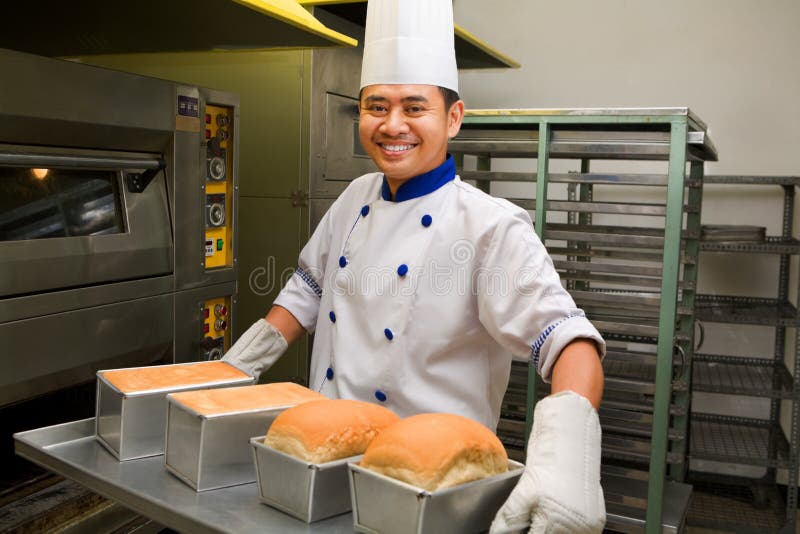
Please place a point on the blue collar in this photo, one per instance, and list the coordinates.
(423, 184)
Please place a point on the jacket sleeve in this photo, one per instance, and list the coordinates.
(533, 316)
(302, 293)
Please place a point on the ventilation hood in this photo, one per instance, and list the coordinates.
(471, 52)
(89, 27)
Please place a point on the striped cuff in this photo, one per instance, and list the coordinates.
(537, 345)
(310, 281)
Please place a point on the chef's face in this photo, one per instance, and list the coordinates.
(405, 128)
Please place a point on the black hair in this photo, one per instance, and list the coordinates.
(450, 97)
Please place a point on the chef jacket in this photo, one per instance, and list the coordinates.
(420, 302)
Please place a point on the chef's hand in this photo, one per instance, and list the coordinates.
(257, 349)
(559, 490)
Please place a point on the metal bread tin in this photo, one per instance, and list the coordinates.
(132, 425)
(305, 490)
(212, 451)
(388, 506)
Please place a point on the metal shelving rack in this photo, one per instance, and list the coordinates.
(636, 281)
(746, 441)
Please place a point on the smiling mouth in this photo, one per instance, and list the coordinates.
(397, 149)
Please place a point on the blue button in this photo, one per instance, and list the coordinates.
(342, 261)
(426, 220)
(403, 269)
(388, 334)
(332, 316)
(329, 373)
(380, 395)
(365, 211)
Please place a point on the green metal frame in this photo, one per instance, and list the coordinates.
(679, 124)
(681, 398)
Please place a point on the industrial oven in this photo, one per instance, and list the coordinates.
(118, 222)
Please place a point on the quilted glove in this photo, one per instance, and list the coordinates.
(559, 490)
(257, 349)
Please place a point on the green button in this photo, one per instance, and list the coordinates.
(219, 244)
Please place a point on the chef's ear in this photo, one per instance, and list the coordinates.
(454, 117)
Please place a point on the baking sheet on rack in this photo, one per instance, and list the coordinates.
(145, 486)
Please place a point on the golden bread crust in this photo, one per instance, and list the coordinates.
(226, 400)
(327, 430)
(164, 376)
(436, 450)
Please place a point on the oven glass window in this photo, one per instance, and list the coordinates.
(42, 203)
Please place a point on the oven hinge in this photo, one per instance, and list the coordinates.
(299, 199)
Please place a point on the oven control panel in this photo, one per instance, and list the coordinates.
(219, 186)
(216, 327)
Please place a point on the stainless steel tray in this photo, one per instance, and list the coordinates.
(145, 486)
(212, 451)
(387, 506)
(133, 425)
(307, 491)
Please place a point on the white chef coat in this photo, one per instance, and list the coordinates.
(419, 303)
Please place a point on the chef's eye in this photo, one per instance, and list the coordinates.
(414, 109)
(376, 108)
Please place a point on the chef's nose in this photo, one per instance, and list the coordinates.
(394, 122)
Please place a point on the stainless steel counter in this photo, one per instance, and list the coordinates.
(145, 486)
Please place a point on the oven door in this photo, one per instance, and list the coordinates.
(77, 218)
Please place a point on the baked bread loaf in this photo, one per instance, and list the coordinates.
(327, 430)
(137, 379)
(436, 450)
(262, 396)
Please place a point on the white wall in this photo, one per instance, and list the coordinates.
(736, 63)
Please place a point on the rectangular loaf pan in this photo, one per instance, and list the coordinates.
(212, 451)
(133, 425)
(307, 491)
(388, 506)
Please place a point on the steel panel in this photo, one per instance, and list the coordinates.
(49, 352)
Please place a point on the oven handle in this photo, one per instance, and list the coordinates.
(93, 162)
(135, 181)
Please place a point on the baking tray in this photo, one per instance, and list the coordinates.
(388, 506)
(143, 485)
(71, 450)
(212, 451)
(133, 425)
(303, 489)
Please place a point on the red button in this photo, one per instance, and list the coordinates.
(205, 328)
(208, 134)
(208, 118)
(206, 312)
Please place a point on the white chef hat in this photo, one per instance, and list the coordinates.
(409, 42)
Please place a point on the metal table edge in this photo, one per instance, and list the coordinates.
(151, 508)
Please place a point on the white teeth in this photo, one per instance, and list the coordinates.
(397, 148)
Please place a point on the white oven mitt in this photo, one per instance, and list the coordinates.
(257, 349)
(559, 490)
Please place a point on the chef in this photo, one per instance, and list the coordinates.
(420, 288)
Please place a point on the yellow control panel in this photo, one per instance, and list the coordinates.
(219, 186)
(216, 327)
